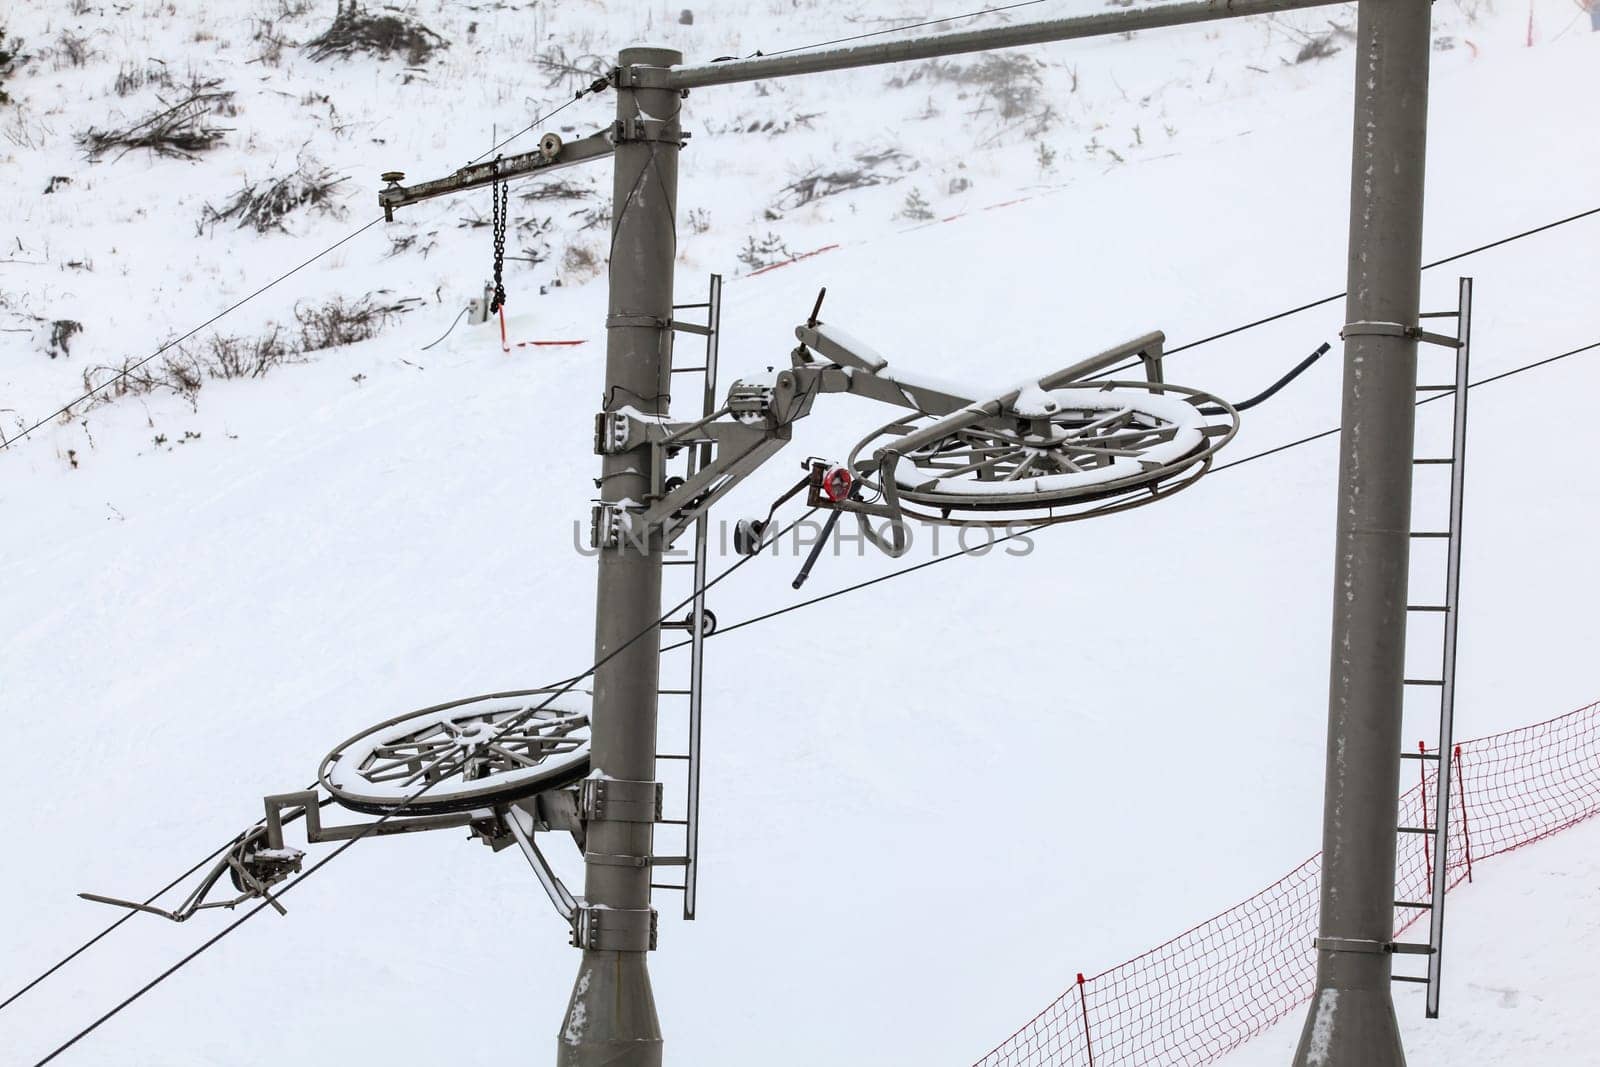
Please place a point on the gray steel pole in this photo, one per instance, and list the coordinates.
(950, 44)
(611, 1019)
(1351, 1021)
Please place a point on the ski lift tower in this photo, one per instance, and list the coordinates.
(611, 1018)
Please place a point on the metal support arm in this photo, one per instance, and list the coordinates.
(550, 155)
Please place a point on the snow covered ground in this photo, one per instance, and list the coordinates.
(187, 626)
(1519, 976)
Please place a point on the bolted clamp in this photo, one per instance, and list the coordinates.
(597, 928)
(1396, 329)
(638, 129)
(611, 434)
(619, 800)
(611, 524)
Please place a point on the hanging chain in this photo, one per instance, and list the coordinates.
(497, 195)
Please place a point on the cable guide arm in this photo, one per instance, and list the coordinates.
(551, 154)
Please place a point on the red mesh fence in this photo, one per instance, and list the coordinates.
(1212, 988)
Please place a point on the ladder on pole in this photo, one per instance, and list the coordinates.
(699, 621)
(1439, 833)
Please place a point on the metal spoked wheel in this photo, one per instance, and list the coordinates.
(469, 754)
(1054, 450)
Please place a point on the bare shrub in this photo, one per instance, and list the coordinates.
(131, 77)
(580, 261)
(184, 369)
(227, 357)
(264, 205)
(71, 50)
(182, 130)
(558, 189)
(11, 58)
(62, 331)
(174, 373)
(341, 322)
(270, 41)
(355, 30)
(881, 166)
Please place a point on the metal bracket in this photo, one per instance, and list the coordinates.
(1351, 944)
(608, 860)
(608, 523)
(619, 800)
(645, 321)
(565, 904)
(601, 929)
(641, 129)
(1396, 329)
(641, 77)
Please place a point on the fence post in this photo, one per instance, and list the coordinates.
(1461, 795)
(1083, 1004)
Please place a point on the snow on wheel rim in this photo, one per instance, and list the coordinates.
(1061, 447)
(471, 753)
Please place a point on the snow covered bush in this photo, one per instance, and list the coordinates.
(264, 205)
(356, 30)
(182, 130)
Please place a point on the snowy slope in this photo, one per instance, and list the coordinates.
(924, 841)
(1519, 987)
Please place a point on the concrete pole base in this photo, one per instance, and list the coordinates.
(611, 1019)
(1351, 1028)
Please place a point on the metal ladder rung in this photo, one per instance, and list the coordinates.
(1430, 533)
(673, 692)
(1408, 948)
(1440, 315)
(1436, 388)
(1423, 460)
(1417, 829)
(673, 822)
(677, 563)
(1419, 755)
(1408, 978)
(669, 861)
(687, 370)
(1424, 681)
(1427, 607)
(705, 304)
(666, 885)
(671, 755)
(1413, 904)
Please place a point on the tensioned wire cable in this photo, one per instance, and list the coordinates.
(369, 828)
(1340, 295)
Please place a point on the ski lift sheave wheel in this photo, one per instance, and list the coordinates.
(469, 754)
(1052, 451)
(550, 146)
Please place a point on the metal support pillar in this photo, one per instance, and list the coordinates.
(1351, 1021)
(611, 1018)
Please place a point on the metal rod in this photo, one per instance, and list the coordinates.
(1447, 698)
(1351, 1022)
(951, 44)
(474, 175)
(611, 1019)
